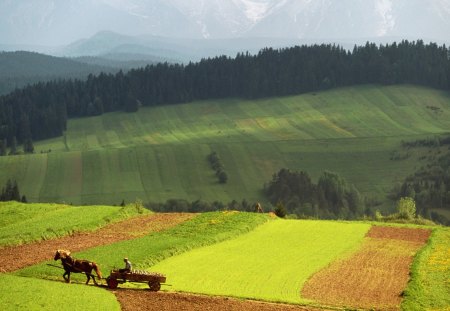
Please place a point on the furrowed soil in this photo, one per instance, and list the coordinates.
(17, 257)
(373, 277)
(145, 300)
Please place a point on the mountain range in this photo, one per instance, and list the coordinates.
(57, 23)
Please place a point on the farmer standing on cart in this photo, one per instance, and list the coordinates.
(128, 266)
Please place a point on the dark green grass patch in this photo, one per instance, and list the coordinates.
(21, 223)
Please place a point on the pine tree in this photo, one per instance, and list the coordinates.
(28, 146)
(3, 150)
(13, 149)
(10, 192)
(15, 193)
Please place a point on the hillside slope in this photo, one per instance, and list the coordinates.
(160, 153)
(20, 68)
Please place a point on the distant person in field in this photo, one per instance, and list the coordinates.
(258, 208)
(128, 266)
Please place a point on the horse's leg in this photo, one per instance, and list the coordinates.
(88, 278)
(66, 276)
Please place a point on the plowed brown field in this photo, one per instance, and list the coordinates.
(17, 257)
(145, 300)
(375, 276)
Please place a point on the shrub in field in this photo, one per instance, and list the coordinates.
(280, 210)
(217, 165)
(406, 208)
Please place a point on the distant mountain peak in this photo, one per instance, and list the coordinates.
(53, 22)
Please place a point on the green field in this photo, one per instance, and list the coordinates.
(26, 294)
(270, 263)
(205, 229)
(160, 152)
(430, 286)
(246, 255)
(21, 223)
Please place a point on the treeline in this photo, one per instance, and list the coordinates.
(41, 111)
(330, 198)
(429, 186)
(198, 206)
(11, 192)
(218, 167)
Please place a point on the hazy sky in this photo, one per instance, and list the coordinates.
(58, 22)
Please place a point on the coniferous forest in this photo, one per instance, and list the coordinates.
(41, 111)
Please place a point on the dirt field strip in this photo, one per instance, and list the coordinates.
(375, 276)
(144, 300)
(18, 257)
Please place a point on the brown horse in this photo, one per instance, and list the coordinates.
(77, 266)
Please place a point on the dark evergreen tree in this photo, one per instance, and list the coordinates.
(3, 147)
(131, 104)
(223, 177)
(28, 146)
(280, 210)
(13, 149)
(42, 109)
(10, 192)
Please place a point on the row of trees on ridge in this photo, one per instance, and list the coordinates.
(41, 111)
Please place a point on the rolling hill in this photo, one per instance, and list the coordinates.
(160, 153)
(17, 69)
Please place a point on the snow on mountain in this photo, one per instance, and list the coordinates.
(54, 22)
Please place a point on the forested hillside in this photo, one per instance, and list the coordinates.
(41, 111)
(20, 68)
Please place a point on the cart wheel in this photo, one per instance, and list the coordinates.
(112, 283)
(154, 286)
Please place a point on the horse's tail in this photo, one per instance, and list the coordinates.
(97, 270)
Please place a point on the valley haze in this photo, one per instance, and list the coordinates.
(48, 25)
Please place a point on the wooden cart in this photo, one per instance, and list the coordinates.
(153, 279)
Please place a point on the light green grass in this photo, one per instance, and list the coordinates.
(160, 153)
(204, 229)
(270, 263)
(429, 288)
(18, 293)
(21, 223)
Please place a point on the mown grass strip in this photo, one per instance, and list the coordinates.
(205, 229)
(22, 223)
(270, 263)
(429, 287)
(20, 293)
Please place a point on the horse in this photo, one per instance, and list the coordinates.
(77, 266)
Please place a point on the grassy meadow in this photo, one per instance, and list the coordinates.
(238, 254)
(205, 229)
(21, 223)
(19, 293)
(430, 286)
(270, 263)
(160, 152)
